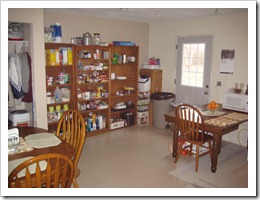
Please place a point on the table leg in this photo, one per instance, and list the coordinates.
(219, 144)
(175, 141)
(215, 152)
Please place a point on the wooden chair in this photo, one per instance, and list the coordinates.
(190, 123)
(71, 128)
(48, 171)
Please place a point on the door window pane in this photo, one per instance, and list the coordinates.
(193, 64)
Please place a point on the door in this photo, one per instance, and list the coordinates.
(193, 69)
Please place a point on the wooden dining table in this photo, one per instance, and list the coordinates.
(218, 130)
(62, 148)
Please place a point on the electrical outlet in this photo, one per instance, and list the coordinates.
(218, 83)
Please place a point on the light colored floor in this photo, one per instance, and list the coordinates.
(138, 157)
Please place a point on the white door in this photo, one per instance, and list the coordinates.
(193, 69)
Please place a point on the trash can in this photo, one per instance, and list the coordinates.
(161, 104)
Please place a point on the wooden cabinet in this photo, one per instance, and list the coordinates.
(59, 73)
(92, 87)
(124, 87)
(156, 85)
(156, 78)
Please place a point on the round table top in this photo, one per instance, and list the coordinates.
(62, 148)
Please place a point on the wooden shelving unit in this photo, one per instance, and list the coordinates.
(126, 73)
(59, 62)
(92, 87)
(155, 76)
(92, 91)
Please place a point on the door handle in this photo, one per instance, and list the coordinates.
(206, 93)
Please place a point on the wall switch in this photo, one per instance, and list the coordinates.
(218, 83)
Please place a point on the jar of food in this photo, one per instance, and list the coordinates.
(96, 39)
(87, 39)
(79, 94)
(48, 97)
(61, 78)
(65, 107)
(73, 40)
(78, 41)
(66, 78)
(80, 78)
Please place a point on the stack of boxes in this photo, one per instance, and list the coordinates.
(144, 84)
(59, 56)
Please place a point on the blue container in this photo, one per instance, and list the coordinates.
(89, 124)
(57, 31)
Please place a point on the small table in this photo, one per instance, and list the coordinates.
(62, 148)
(216, 130)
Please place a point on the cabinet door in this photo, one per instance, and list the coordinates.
(59, 73)
(92, 85)
(124, 87)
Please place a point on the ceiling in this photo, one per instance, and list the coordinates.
(149, 15)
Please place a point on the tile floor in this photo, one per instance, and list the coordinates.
(133, 157)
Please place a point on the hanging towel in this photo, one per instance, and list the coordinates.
(15, 76)
(25, 70)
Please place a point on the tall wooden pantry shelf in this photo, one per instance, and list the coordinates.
(106, 103)
(59, 73)
(92, 87)
(124, 85)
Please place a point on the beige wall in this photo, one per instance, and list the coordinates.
(72, 25)
(156, 39)
(110, 30)
(35, 18)
(229, 32)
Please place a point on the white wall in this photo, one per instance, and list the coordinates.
(229, 32)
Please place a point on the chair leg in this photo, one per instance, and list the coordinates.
(179, 151)
(197, 158)
(75, 184)
(191, 147)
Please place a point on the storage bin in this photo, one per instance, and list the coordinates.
(142, 118)
(116, 125)
(144, 84)
(20, 118)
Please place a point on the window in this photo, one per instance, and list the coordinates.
(193, 64)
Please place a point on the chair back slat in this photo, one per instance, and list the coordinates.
(71, 128)
(48, 175)
(190, 122)
(51, 170)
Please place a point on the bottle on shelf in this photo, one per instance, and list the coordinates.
(57, 95)
(96, 39)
